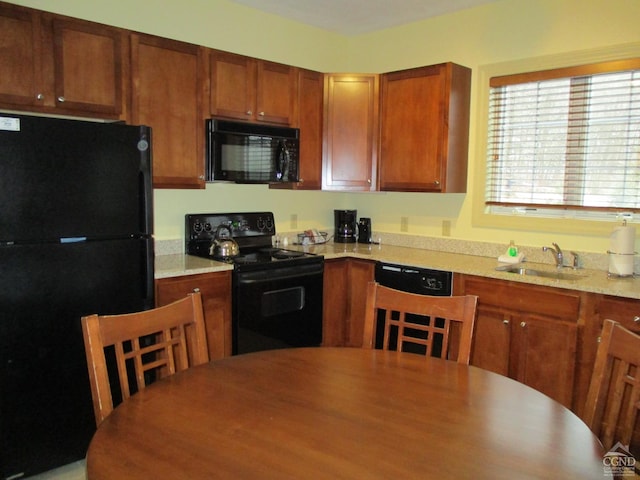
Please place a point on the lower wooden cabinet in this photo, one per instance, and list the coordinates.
(345, 294)
(544, 337)
(216, 299)
(528, 333)
(623, 310)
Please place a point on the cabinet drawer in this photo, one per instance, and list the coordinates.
(625, 311)
(527, 298)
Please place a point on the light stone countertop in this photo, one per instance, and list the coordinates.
(587, 280)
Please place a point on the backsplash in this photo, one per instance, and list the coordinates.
(595, 261)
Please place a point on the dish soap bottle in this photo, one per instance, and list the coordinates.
(512, 250)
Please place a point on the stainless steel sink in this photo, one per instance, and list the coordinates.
(532, 272)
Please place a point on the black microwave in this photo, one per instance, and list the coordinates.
(251, 153)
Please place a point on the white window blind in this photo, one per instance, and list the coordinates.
(566, 138)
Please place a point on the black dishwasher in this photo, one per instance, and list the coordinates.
(423, 281)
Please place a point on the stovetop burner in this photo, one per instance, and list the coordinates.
(280, 253)
(252, 231)
(266, 255)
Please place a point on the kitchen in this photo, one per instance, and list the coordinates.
(488, 34)
(498, 32)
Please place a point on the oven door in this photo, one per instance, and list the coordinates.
(278, 307)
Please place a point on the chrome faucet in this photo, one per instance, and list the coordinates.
(557, 254)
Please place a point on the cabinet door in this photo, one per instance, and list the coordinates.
(311, 87)
(360, 273)
(216, 298)
(334, 303)
(350, 132)
(88, 63)
(344, 302)
(167, 93)
(55, 64)
(546, 351)
(276, 91)
(21, 80)
(492, 340)
(424, 129)
(232, 86)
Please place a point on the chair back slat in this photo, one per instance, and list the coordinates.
(405, 313)
(160, 341)
(613, 398)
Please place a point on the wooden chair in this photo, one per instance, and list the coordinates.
(148, 345)
(613, 399)
(404, 331)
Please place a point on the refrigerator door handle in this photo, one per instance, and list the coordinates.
(73, 239)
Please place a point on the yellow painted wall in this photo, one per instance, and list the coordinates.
(505, 30)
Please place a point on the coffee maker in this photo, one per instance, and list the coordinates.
(345, 226)
(364, 230)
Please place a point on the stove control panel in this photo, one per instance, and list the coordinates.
(203, 226)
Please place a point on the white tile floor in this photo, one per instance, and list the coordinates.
(73, 471)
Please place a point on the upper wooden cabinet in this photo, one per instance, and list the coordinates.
(310, 98)
(55, 64)
(244, 88)
(424, 133)
(350, 132)
(168, 91)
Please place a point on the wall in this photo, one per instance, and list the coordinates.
(497, 32)
(504, 31)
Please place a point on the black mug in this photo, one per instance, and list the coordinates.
(364, 231)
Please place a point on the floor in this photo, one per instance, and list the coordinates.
(73, 471)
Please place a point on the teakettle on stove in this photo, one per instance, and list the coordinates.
(345, 226)
(224, 247)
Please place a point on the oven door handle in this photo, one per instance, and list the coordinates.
(287, 273)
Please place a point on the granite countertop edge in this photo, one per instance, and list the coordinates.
(587, 280)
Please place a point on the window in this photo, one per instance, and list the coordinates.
(565, 138)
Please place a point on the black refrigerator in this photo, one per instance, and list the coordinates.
(75, 239)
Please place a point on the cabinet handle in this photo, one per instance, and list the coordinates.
(523, 324)
(196, 290)
(505, 321)
(200, 177)
(40, 96)
(369, 181)
(436, 183)
(61, 99)
(249, 112)
(636, 319)
(261, 114)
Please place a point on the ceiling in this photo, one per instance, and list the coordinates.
(353, 17)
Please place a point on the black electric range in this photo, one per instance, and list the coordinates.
(277, 293)
(254, 233)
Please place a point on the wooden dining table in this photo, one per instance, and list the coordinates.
(341, 413)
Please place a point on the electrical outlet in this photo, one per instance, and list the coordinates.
(446, 228)
(294, 221)
(404, 224)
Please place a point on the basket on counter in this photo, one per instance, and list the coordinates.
(310, 237)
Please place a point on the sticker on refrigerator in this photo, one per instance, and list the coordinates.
(10, 124)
